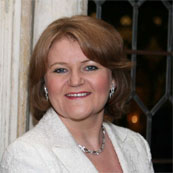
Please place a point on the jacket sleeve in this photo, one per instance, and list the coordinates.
(21, 157)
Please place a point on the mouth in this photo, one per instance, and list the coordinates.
(75, 95)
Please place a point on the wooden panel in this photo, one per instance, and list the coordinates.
(9, 67)
(15, 43)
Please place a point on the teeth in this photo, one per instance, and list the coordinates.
(77, 95)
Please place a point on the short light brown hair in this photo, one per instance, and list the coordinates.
(99, 41)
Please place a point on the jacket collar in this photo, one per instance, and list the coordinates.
(63, 144)
(58, 134)
(124, 146)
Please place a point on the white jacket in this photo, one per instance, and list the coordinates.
(50, 148)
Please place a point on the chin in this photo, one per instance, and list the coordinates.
(78, 116)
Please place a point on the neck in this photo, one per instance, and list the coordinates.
(86, 132)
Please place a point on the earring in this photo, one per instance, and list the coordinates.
(46, 93)
(111, 92)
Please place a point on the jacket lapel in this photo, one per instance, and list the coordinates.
(64, 146)
(74, 160)
(123, 150)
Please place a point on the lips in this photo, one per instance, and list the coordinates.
(74, 95)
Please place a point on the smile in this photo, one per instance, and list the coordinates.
(77, 95)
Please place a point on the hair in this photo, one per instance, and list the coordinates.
(99, 41)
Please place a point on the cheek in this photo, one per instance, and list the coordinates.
(53, 84)
(53, 87)
(102, 84)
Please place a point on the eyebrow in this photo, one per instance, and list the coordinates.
(88, 60)
(64, 63)
(57, 63)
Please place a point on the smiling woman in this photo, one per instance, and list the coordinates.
(78, 74)
(99, 42)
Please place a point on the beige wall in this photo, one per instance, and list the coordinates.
(21, 22)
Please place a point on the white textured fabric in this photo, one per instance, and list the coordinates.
(50, 148)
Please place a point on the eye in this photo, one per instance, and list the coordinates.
(91, 68)
(60, 70)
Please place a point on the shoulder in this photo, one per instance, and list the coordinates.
(125, 134)
(30, 153)
(20, 156)
(37, 136)
(129, 139)
(133, 146)
(30, 142)
(34, 137)
(25, 153)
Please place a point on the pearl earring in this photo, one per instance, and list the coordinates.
(112, 90)
(46, 93)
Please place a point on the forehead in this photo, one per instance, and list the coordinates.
(66, 50)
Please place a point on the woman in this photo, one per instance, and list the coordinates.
(78, 76)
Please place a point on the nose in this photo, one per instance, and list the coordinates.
(76, 79)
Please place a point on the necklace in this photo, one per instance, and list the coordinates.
(95, 152)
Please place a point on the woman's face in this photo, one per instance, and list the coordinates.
(78, 88)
